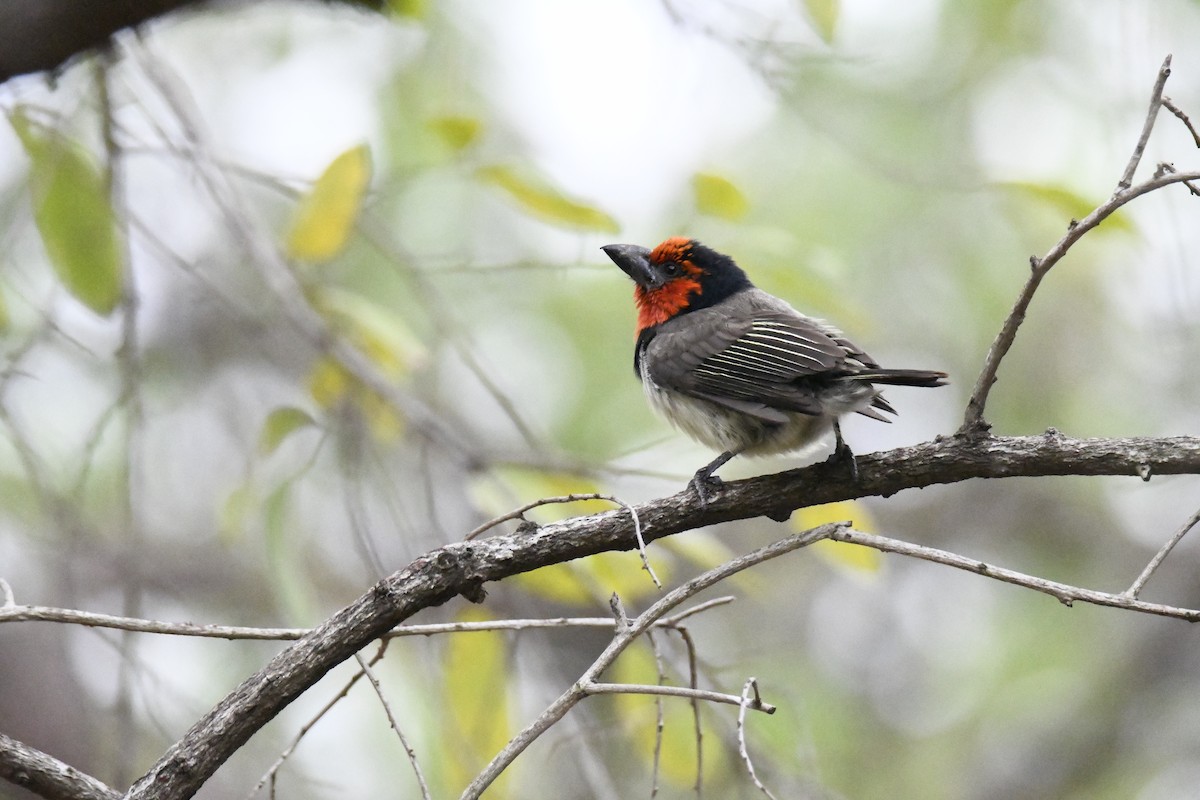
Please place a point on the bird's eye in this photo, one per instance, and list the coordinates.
(671, 268)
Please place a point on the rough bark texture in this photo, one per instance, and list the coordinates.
(44, 775)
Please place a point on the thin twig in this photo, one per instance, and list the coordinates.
(306, 727)
(697, 726)
(623, 638)
(973, 421)
(675, 619)
(674, 691)
(1182, 117)
(10, 600)
(519, 513)
(11, 612)
(1139, 584)
(1156, 93)
(1065, 594)
(387, 709)
(660, 722)
(745, 702)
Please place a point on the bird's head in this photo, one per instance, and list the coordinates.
(677, 276)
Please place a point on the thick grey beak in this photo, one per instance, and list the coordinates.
(634, 261)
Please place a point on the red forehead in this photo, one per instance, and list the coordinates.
(673, 249)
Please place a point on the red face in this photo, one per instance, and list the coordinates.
(671, 260)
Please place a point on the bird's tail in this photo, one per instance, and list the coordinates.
(901, 377)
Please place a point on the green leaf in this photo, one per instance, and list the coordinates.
(1069, 204)
(74, 215)
(824, 14)
(547, 203)
(293, 586)
(326, 215)
(234, 512)
(718, 197)
(459, 132)
(281, 423)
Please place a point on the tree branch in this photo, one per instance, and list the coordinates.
(463, 567)
(1065, 594)
(37, 35)
(973, 420)
(46, 776)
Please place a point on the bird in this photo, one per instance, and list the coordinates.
(740, 370)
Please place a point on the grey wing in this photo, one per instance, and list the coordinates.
(761, 366)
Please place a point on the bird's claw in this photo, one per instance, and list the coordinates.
(706, 486)
(843, 453)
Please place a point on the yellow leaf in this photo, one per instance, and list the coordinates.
(824, 16)
(842, 555)
(383, 338)
(546, 203)
(559, 583)
(477, 724)
(74, 215)
(460, 132)
(718, 197)
(326, 215)
(677, 759)
(413, 9)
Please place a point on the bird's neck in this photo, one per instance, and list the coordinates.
(656, 306)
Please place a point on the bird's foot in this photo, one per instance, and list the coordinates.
(843, 453)
(706, 485)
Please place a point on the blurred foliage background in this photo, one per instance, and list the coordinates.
(194, 234)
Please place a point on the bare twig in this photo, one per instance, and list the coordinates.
(697, 726)
(751, 686)
(624, 637)
(1065, 594)
(10, 600)
(674, 691)
(973, 421)
(519, 513)
(1160, 82)
(276, 272)
(1134, 590)
(675, 619)
(1182, 117)
(273, 771)
(660, 722)
(408, 751)
(17, 613)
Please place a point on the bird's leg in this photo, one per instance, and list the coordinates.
(704, 481)
(842, 451)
